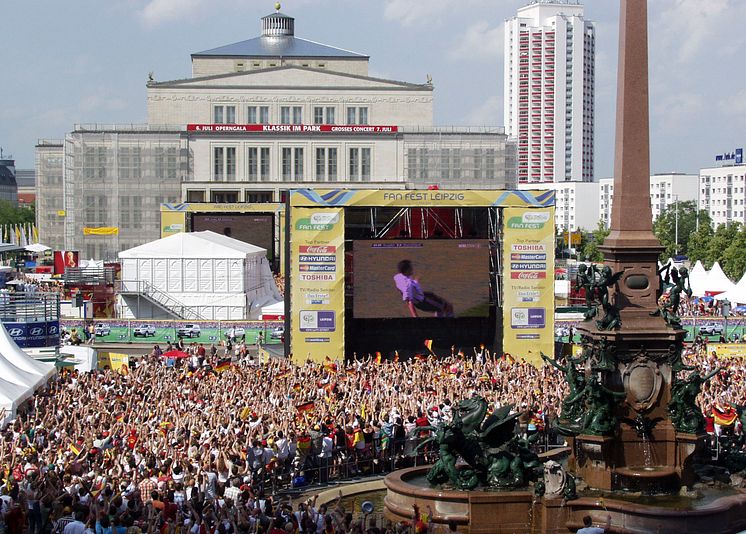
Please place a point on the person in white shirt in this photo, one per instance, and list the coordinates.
(325, 458)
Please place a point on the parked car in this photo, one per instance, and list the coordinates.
(189, 330)
(277, 333)
(146, 330)
(102, 329)
(712, 329)
(235, 333)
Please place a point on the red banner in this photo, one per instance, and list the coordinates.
(293, 128)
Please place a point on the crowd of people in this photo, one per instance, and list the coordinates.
(203, 444)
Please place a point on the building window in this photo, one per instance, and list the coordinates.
(326, 164)
(195, 196)
(258, 163)
(292, 164)
(359, 164)
(166, 162)
(258, 197)
(257, 115)
(291, 115)
(224, 114)
(224, 197)
(357, 115)
(224, 163)
(323, 115)
(129, 163)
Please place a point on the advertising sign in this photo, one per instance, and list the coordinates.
(727, 350)
(528, 283)
(35, 335)
(294, 128)
(735, 157)
(113, 360)
(172, 222)
(317, 270)
(64, 259)
(421, 198)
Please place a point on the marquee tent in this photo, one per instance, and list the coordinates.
(698, 279)
(737, 295)
(274, 312)
(20, 374)
(717, 282)
(215, 276)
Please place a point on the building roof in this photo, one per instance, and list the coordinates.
(205, 244)
(285, 46)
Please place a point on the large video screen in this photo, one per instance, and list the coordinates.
(420, 278)
(256, 229)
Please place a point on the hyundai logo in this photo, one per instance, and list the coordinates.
(36, 331)
(15, 332)
(52, 330)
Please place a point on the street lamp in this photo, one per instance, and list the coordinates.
(676, 205)
(726, 312)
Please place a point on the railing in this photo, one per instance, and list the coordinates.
(29, 306)
(93, 276)
(175, 306)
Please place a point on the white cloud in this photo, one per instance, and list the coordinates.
(157, 12)
(488, 113)
(480, 41)
(684, 26)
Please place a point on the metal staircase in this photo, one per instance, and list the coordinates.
(160, 298)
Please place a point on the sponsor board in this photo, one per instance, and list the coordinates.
(317, 321)
(527, 318)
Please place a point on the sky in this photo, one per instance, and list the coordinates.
(86, 61)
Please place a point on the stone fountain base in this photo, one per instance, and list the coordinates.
(513, 512)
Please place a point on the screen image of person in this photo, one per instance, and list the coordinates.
(417, 299)
(438, 278)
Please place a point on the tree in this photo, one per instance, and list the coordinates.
(591, 243)
(12, 214)
(724, 235)
(698, 243)
(734, 257)
(665, 225)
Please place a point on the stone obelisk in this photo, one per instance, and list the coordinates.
(631, 246)
(637, 354)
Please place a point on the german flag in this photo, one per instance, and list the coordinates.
(508, 358)
(244, 413)
(223, 366)
(75, 449)
(296, 387)
(429, 344)
(120, 417)
(396, 356)
(306, 407)
(329, 365)
(284, 374)
(724, 415)
(378, 358)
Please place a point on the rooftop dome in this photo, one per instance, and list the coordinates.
(278, 24)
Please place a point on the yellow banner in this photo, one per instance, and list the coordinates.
(103, 230)
(727, 350)
(317, 271)
(420, 198)
(528, 283)
(113, 360)
(172, 222)
(215, 207)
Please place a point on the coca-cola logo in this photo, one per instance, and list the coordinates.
(528, 276)
(318, 249)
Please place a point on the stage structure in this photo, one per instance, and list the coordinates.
(259, 224)
(410, 272)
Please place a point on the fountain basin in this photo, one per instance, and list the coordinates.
(649, 480)
(487, 511)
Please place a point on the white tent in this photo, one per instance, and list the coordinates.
(12, 353)
(217, 276)
(717, 282)
(85, 359)
(20, 375)
(37, 248)
(698, 279)
(737, 295)
(274, 311)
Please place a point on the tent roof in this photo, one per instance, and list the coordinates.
(274, 309)
(12, 353)
(698, 279)
(737, 295)
(717, 281)
(205, 244)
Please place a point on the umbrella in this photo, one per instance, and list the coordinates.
(175, 354)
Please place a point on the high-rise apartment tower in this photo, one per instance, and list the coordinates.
(549, 91)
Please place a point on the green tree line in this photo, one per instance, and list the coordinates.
(687, 231)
